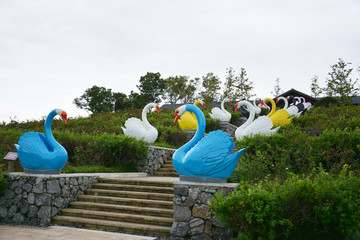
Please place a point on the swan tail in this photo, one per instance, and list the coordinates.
(232, 161)
(124, 131)
(273, 131)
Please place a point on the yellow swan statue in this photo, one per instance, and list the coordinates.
(188, 120)
(280, 117)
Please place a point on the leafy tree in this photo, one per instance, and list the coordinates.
(277, 90)
(230, 80)
(243, 86)
(180, 89)
(315, 88)
(211, 87)
(96, 99)
(135, 100)
(119, 99)
(174, 87)
(151, 87)
(340, 84)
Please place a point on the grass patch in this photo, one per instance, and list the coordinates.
(98, 169)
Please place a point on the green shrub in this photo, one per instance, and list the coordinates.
(321, 206)
(327, 102)
(3, 183)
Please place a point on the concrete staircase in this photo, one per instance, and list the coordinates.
(167, 170)
(133, 206)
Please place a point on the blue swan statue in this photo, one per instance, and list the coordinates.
(205, 159)
(39, 154)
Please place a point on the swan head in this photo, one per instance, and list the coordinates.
(62, 114)
(202, 103)
(179, 112)
(157, 108)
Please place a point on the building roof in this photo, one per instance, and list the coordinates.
(296, 93)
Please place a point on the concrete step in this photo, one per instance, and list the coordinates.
(136, 182)
(113, 216)
(127, 187)
(148, 211)
(129, 194)
(98, 224)
(166, 174)
(126, 201)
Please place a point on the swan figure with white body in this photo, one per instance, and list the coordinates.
(221, 114)
(42, 154)
(206, 158)
(142, 129)
(262, 125)
(256, 107)
(292, 109)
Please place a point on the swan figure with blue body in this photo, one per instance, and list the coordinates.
(206, 158)
(42, 154)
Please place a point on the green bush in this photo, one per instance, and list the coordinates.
(321, 206)
(327, 102)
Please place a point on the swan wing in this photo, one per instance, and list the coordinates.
(209, 153)
(262, 125)
(188, 121)
(280, 118)
(31, 148)
(134, 127)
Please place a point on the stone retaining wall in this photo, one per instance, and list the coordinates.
(156, 158)
(193, 218)
(228, 128)
(33, 199)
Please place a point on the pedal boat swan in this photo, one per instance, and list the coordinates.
(42, 154)
(188, 121)
(205, 159)
(221, 113)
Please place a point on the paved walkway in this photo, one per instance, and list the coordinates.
(61, 233)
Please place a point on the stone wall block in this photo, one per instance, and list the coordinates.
(181, 213)
(53, 186)
(179, 229)
(202, 211)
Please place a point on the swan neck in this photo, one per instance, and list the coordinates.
(197, 102)
(200, 130)
(47, 129)
(251, 116)
(222, 104)
(273, 106)
(144, 114)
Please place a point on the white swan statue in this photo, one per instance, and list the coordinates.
(292, 110)
(262, 125)
(221, 114)
(142, 129)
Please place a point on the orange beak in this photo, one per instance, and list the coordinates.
(204, 104)
(157, 108)
(230, 101)
(64, 117)
(277, 100)
(236, 107)
(177, 116)
(262, 103)
(248, 100)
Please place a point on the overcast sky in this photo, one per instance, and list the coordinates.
(52, 51)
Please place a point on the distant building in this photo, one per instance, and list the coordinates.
(296, 93)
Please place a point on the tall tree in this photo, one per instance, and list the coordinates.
(230, 80)
(243, 86)
(174, 87)
(120, 100)
(340, 84)
(180, 89)
(211, 86)
(151, 87)
(315, 88)
(277, 90)
(96, 99)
